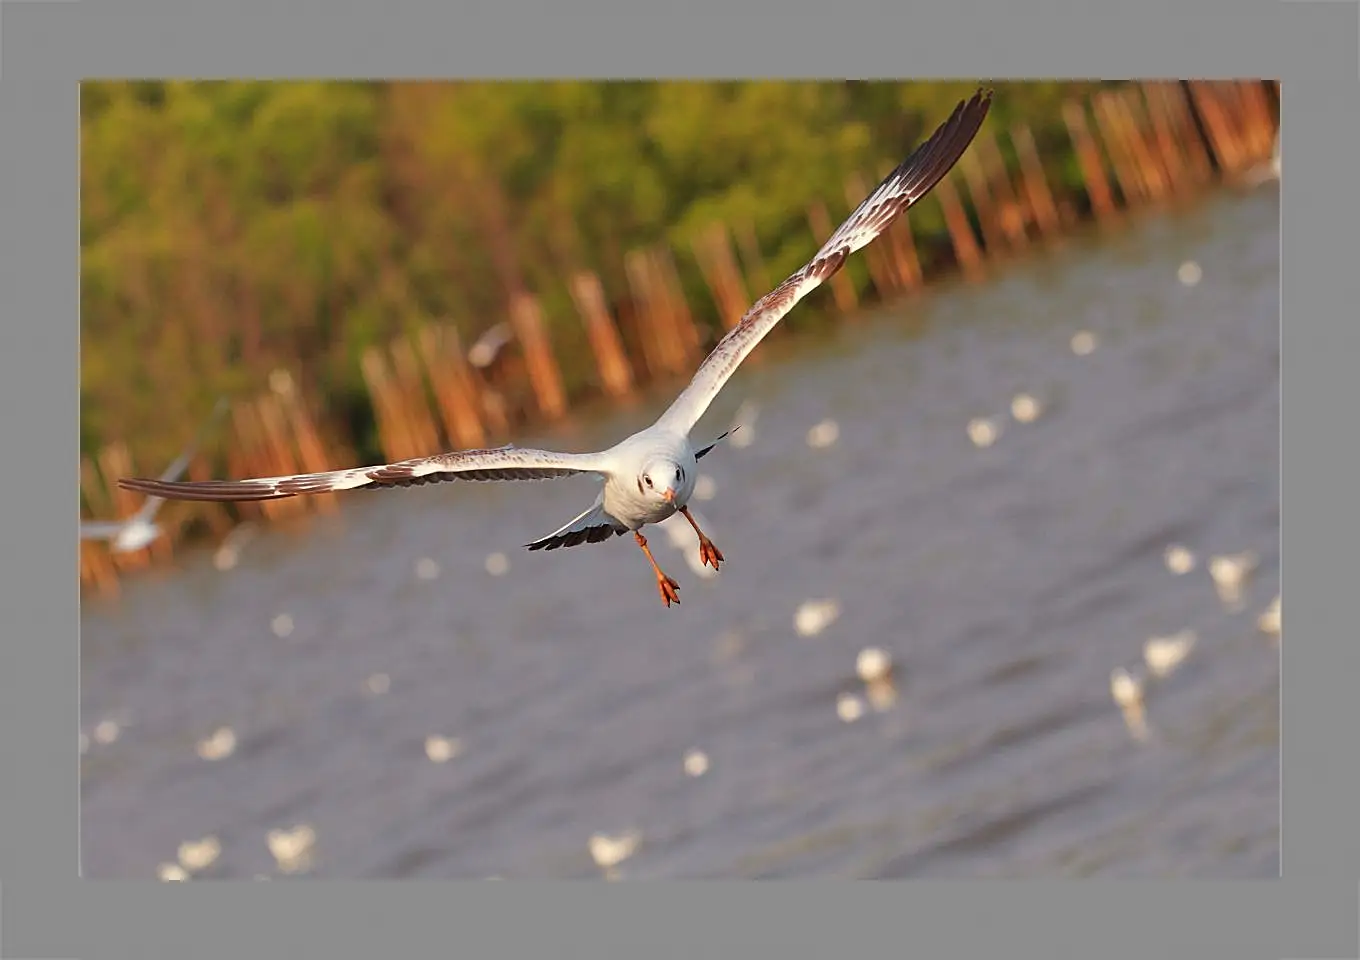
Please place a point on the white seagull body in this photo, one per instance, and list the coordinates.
(649, 476)
(140, 530)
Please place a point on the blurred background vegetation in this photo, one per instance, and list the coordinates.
(231, 228)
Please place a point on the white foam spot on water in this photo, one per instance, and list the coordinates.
(220, 745)
(171, 873)
(849, 707)
(1189, 273)
(823, 434)
(292, 849)
(1179, 560)
(983, 432)
(814, 616)
(106, 731)
(704, 487)
(427, 568)
(377, 684)
(282, 625)
(1083, 343)
(196, 855)
(1025, 408)
(696, 763)
(873, 663)
(1164, 654)
(442, 749)
(610, 851)
(497, 564)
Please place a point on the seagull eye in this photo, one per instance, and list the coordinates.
(677, 473)
(649, 480)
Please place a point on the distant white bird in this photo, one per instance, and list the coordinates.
(650, 475)
(140, 530)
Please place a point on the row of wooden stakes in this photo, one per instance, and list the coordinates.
(1136, 145)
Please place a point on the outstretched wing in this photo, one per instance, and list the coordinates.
(593, 526)
(505, 463)
(909, 182)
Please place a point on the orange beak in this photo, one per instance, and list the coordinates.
(669, 495)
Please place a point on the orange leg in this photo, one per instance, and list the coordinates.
(707, 552)
(670, 590)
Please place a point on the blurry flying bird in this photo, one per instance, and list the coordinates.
(140, 530)
(651, 475)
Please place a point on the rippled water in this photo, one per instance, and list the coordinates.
(1006, 583)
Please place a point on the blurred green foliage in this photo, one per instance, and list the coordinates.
(228, 228)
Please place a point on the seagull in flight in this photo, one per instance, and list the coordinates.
(651, 475)
(140, 530)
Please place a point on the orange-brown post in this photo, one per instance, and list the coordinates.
(415, 398)
(387, 417)
(1011, 209)
(311, 451)
(453, 390)
(993, 238)
(1036, 185)
(281, 450)
(1221, 137)
(527, 319)
(757, 274)
(966, 249)
(587, 292)
(1164, 137)
(842, 287)
(1117, 149)
(97, 568)
(713, 253)
(655, 348)
(680, 320)
(115, 461)
(1130, 116)
(1092, 170)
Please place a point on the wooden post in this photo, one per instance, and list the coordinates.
(656, 352)
(757, 274)
(960, 231)
(679, 319)
(1144, 146)
(1221, 138)
(1125, 172)
(842, 287)
(1036, 186)
(390, 434)
(96, 565)
(1011, 213)
(902, 244)
(415, 399)
(1258, 118)
(544, 374)
(1164, 136)
(281, 449)
(993, 239)
(587, 292)
(1092, 171)
(311, 451)
(1176, 102)
(713, 253)
(115, 461)
(455, 394)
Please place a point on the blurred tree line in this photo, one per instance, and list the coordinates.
(228, 228)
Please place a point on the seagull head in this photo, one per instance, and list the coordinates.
(662, 480)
